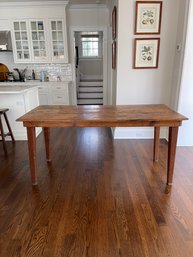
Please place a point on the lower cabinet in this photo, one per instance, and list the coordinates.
(53, 94)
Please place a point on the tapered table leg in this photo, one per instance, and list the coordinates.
(32, 153)
(173, 135)
(47, 143)
(156, 143)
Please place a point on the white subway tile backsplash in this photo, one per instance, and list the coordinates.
(53, 71)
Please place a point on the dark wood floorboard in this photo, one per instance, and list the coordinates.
(98, 198)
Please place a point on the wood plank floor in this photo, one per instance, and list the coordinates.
(98, 198)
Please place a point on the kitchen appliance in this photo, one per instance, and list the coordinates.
(5, 41)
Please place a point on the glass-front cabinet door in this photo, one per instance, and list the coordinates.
(38, 39)
(21, 40)
(58, 41)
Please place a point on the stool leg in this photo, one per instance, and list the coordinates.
(9, 127)
(3, 137)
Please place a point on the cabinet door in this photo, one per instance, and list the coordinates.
(43, 93)
(44, 99)
(20, 41)
(59, 94)
(38, 40)
(59, 49)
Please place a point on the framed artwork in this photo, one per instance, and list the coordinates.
(114, 55)
(148, 17)
(146, 53)
(114, 23)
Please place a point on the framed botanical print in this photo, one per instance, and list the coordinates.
(146, 53)
(148, 17)
(114, 23)
(114, 55)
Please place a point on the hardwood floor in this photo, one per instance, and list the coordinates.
(98, 198)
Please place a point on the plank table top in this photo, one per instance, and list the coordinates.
(102, 116)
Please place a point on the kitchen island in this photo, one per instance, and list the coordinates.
(19, 99)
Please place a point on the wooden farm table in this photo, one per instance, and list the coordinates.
(102, 116)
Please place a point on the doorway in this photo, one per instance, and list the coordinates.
(89, 51)
(89, 67)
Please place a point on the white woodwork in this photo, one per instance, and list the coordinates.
(19, 102)
(4, 25)
(54, 93)
(20, 41)
(58, 41)
(42, 50)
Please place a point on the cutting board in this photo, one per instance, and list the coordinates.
(4, 71)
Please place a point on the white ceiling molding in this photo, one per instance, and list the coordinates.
(35, 3)
(87, 6)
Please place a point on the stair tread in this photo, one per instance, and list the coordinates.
(91, 80)
(90, 86)
(89, 104)
(90, 92)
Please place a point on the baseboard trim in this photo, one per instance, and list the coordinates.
(22, 135)
(137, 133)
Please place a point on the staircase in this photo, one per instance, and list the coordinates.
(90, 92)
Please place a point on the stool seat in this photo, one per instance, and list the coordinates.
(2, 133)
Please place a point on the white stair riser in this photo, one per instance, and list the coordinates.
(91, 83)
(90, 101)
(90, 95)
(91, 89)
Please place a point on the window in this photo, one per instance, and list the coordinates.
(90, 44)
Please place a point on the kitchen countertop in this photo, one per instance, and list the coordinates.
(31, 83)
(15, 89)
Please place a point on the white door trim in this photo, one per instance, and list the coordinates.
(73, 29)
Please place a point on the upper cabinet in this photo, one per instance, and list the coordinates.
(58, 41)
(40, 40)
(21, 44)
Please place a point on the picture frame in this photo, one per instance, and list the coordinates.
(148, 17)
(114, 55)
(114, 23)
(146, 53)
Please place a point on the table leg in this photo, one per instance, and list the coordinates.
(32, 153)
(156, 143)
(47, 143)
(173, 135)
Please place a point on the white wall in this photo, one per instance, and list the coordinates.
(92, 67)
(185, 105)
(87, 17)
(145, 86)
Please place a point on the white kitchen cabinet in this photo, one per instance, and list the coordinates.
(53, 93)
(21, 41)
(19, 100)
(59, 94)
(29, 41)
(39, 40)
(58, 36)
(44, 95)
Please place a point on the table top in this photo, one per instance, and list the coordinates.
(102, 116)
